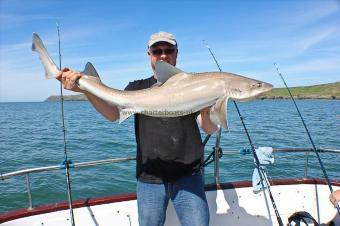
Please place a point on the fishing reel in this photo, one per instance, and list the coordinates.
(302, 218)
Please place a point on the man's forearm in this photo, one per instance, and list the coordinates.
(109, 111)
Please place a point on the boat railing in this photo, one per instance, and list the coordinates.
(27, 172)
(62, 166)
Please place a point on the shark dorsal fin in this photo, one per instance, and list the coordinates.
(90, 70)
(164, 71)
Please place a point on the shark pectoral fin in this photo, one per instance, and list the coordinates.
(218, 112)
(125, 113)
(90, 70)
(164, 71)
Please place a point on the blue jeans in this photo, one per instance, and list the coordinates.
(187, 195)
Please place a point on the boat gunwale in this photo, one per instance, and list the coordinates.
(48, 208)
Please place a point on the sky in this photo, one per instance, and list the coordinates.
(247, 37)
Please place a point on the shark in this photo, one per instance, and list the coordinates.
(175, 94)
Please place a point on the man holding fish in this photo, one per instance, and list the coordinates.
(168, 108)
(169, 149)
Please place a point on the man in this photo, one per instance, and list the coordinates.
(169, 150)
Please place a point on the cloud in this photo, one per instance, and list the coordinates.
(316, 65)
(306, 43)
(313, 12)
(14, 48)
(10, 21)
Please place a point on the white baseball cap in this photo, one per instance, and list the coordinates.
(162, 36)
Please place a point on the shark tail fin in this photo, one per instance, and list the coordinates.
(90, 70)
(51, 69)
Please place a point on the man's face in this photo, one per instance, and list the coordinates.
(162, 51)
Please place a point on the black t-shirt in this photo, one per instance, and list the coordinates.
(167, 148)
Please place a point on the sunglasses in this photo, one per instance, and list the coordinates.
(159, 52)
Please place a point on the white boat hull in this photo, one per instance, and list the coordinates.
(238, 205)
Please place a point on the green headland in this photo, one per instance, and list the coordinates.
(323, 91)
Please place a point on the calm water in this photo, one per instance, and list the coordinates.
(31, 136)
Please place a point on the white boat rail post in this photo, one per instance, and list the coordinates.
(306, 164)
(309, 136)
(217, 156)
(29, 193)
(278, 217)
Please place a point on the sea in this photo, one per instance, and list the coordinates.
(31, 135)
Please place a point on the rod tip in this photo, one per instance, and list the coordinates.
(206, 43)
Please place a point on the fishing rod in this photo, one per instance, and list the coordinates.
(257, 161)
(66, 163)
(309, 135)
(219, 132)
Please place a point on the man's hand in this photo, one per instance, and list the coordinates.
(68, 78)
(204, 121)
(335, 197)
